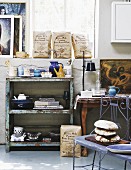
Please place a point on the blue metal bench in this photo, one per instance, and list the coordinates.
(102, 150)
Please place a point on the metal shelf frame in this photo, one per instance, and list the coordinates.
(10, 81)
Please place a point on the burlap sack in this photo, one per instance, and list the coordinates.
(67, 135)
(61, 42)
(42, 44)
(80, 43)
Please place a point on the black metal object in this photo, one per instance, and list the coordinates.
(22, 104)
(90, 67)
(83, 80)
(66, 97)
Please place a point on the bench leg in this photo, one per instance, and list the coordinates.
(93, 160)
(100, 162)
(74, 156)
(101, 157)
(125, 165)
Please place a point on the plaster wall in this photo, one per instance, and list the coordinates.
(106, 50)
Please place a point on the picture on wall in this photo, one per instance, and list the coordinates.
(116, 73)
(6, 35)
(17, 34)
(13, 7)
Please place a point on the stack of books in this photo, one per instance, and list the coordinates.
(47, 103)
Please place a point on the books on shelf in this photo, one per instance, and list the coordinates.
(48, 107)
(46, 103)
(47, 99)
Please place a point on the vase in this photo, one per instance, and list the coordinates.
(54, 64)
(113, 90)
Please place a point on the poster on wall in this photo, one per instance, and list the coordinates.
(116, 73)
(6, 35)
(16, 8)
(17, 34)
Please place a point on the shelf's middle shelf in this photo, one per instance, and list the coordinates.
(40, 111)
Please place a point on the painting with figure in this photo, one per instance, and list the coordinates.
(116, 73)
(16, 9)
(6, 35)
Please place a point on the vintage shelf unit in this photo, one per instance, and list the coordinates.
(37, 120)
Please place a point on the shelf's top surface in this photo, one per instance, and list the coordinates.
(38, 79)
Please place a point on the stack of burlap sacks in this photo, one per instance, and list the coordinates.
(61, 44)
(67, 135)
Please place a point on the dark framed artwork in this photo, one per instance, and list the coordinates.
(116, 73)
(6, 35)
(17, 34)
(17, 8)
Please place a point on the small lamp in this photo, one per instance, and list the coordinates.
(90, 67)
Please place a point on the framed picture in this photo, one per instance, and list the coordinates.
(17, 34)
(6, 35)
(18, 8)
(116, 73)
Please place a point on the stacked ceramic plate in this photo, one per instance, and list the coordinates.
(106, 131)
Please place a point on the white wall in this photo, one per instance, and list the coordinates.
(105, 48)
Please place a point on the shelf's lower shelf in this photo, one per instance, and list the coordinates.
(37, 144)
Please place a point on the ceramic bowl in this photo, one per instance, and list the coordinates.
(33, 135)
